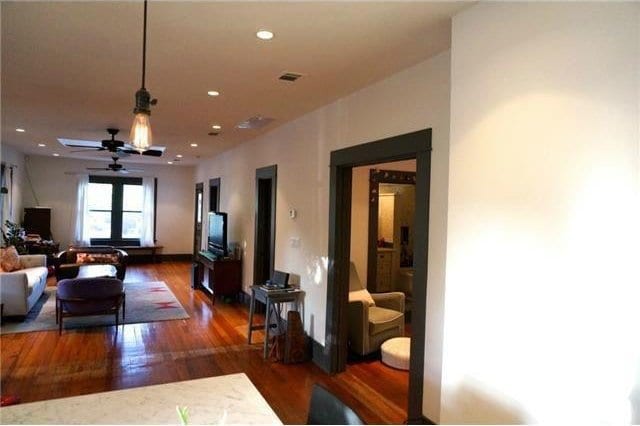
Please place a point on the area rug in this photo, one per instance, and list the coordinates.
(146, 302)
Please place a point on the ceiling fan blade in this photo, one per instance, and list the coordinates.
(83, 146)
(79, 143)
(152, 153)
(98, 168)
(128, 151)
(88, 149)
(134, 170)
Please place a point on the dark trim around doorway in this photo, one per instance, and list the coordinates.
(404, 147)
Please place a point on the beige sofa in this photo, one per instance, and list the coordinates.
(20, 290)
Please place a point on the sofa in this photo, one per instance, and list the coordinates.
(68, 262)
(21, 289)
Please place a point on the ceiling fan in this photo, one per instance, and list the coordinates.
(112, 145)
(115, 167)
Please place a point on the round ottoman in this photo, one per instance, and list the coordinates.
(395, 352)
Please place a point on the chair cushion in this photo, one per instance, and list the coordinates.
(362, 295)
(381, 319)
(9, 259)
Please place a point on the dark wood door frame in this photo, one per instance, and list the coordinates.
(376, 177)
(197, 231)
(214, 184)
(265, 173)
(404, 147)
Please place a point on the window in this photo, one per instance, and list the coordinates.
(115, 210)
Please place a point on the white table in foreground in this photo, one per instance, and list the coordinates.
(206, 401)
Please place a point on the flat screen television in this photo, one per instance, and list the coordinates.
(217, 238)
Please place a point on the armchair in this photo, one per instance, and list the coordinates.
(373, 318)
(68, 262)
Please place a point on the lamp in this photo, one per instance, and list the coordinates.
(140, 135)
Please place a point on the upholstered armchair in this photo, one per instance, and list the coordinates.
(373, 318)
(89, 296)
(68, 262)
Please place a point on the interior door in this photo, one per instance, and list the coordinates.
(197, 228)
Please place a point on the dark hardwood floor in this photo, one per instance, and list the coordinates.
(212, 342)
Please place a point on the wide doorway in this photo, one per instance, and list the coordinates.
(414, 147)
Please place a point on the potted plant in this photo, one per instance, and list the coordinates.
(14, 236)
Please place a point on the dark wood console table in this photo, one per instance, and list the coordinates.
(225, 275)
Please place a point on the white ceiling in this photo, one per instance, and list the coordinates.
(70, 69)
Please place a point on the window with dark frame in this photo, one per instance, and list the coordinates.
(115, 210)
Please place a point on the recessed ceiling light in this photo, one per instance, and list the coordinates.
(213, 93)
(216, 127)
(20, 130)
(264, 35)
(179, 156)
(193, 145)
(55, 154)
(41, 145)
(169, 162)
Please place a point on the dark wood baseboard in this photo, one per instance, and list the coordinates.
(421, 421)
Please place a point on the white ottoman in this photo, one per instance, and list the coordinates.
(395, 352)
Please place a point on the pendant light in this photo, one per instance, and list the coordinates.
(140, 136)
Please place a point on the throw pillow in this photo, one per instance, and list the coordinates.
(96, 258)
(362, 295)
(9, 259)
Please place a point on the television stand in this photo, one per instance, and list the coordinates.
(224, 279)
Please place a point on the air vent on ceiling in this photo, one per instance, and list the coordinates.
(256, 122)
(290, 76)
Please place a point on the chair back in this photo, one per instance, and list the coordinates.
(84, 295)
(326, 409)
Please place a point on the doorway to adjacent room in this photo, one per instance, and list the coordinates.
(197, 227)
(265, 224)
(412, 146)
(214, 195)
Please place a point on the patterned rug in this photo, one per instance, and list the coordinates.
(146, 302)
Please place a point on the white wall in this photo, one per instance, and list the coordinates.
(542, 265)
(413, 99)
(54, 188)
(13, 210)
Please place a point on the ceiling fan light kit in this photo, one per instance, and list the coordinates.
(141, 136)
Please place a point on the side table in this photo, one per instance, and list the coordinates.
(273, 299)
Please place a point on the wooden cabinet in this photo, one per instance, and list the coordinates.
(224, 278)
(384, 281)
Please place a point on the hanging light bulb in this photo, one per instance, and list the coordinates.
(140, 136)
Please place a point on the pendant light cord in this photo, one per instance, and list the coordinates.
(144, 44)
